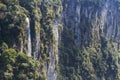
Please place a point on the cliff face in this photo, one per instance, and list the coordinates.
(31, 27)
(90, 40)
(59, 39)
(92, 20)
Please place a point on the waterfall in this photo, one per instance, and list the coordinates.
(53, 54)
(28, 37)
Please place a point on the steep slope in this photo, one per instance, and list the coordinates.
(90, 40)
(31, 32)
(30, 27)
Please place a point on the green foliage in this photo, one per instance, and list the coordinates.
(17, 66)
(101, 61)
(49, 13)
(42, 13)
(82, 62)
(11, 22)
(3, 7)
(10, 2)
(84, 54)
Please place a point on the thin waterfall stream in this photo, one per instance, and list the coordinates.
(28, 36)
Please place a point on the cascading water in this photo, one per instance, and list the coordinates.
(54, 55)
(28, 37)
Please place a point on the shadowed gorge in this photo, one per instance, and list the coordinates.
(60, 39)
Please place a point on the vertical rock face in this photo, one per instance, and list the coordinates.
(52, 72)
(78, 14)
(44, 36)
(91, 31)
(33, 26)
(50, 35)
(91, 19)
(36, 48)
(89, 43)
(111, 21)
(51, 68)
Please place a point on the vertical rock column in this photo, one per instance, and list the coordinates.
(53, 54)
(37, 42)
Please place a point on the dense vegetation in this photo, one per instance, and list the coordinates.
(84, 54)
(91, 63)
(16, 65)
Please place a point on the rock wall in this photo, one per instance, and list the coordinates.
(90, 40)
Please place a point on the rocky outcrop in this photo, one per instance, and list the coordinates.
(90, 20)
